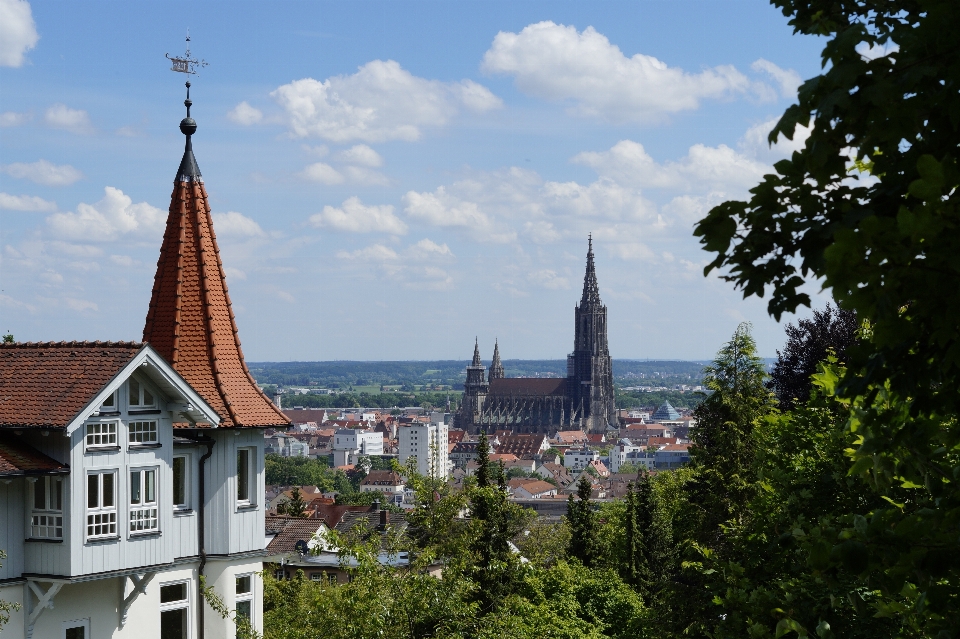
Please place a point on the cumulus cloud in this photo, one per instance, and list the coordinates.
(43, 172)
(323, 173)
(367, 177)
(755, 141)
(549, 279)
(60, 116)
(244, 114)
(355, 217)
(427, 246)
(361, 155)
(111, 218)
(556, 62)
(233, 224)
(382, 101)
(787, 79)
(29, 203)
(418, 266)
(18, 32)
(443, 209)
(12, 118)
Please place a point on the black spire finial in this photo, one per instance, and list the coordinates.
(591, 291)
(188, 126)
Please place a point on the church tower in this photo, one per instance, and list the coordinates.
(190, 320)
(496, 366)
(589, 367)
(474, 393)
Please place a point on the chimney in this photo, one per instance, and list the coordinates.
(384, 519)
(375, 506)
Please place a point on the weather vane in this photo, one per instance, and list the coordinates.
(186, 64)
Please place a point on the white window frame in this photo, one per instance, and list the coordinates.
(47, 522)
(115, 398)
(104, 430)
(76, 623)
(143, 432)
(101, 515)
(250, 479)
(185, 506)
(141, 391)
(242, 597)
(144, 515)
(179, 604)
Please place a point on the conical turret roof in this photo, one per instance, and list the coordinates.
(190, 321)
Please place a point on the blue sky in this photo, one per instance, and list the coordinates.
(390, 179)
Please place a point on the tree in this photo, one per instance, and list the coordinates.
(6, 607)
(832, 330)
(296, 507)
(580, 518)
(869, 207)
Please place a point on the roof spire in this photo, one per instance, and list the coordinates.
(476, 353)
(496, 366)
(188, 126)
(591, 291)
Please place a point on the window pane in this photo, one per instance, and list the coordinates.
(243, 610)
(134, 387)
(173, 592)
(151, 492)
(110, 402)
(243, 584)
(173, 624)
(179, 480)
(243, 470)
(135, 487)
(93, 491)
(108, 490)
(147, 397)
(40, 494)
(77, 632)
(57, 501)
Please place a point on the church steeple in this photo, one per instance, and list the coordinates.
(476, 353)
(496, 366)
(591, 291)
(190, 320)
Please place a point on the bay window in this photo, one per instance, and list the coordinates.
(143, 501)
(46, 519)
(101, 504)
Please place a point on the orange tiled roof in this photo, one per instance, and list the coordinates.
(16, 458)
(190, 321)
(46, 384)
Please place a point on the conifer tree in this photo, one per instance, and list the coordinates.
(296, 507)
(583, 542)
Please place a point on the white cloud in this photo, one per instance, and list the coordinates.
(233, 224)
(382, 101)
(12, 118)
(43, 172)
(555, 62)
(18, 32)
(365, 176)
(874, 51)
(549, 279)
(375, 252)
(361, 155)
(323, 173)
(124, 260)
(788, 79)
(429, 247)
(442, 209)
(755, 141)
(30, 203)
(60, 116)
(353, 216)
(80, 305)
(414, 267)
(245, 114)
(109, 219)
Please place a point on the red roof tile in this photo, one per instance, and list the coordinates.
(46, 384)
(16, 458)
(190, 321)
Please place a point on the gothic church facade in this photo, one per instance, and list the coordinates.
(582, 400)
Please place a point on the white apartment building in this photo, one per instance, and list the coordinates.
(286, 446)
(618, 454)
(578, 458)
(350, 443)
(428, 444)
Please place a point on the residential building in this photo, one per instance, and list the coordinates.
(285, 446)
(130, 470)
(427, 443)
(387, 482)
(579, 458)
(350, 443)
(531, 489)
(618, 454)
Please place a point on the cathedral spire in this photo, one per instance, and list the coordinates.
(190, 320)
(476, 353)
(496, 366)
(591, 292)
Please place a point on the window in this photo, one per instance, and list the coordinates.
(174, 610)
(142, 432)
(109, 405)
(180, 483)
(244, 476)
(280, 575)
(143, 501)
(76, 629)
(46, 520)
(101, 505)
(139, 396)
(102, 435)
(244, 599)
(332, 579)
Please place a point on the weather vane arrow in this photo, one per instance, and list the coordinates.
(186, 64)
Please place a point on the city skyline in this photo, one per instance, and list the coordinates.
(416, 171)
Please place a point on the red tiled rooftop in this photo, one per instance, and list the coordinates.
(47, 384)
(190, 320)
(16, 458)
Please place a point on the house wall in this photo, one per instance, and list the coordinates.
(231, 528)
(12, 526)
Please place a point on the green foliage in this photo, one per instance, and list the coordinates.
(882, 235)
(583, 524)
(6, 607)
(296, 506)
(298, 471)
(8, 339)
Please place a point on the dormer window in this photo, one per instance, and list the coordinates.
(140, 396)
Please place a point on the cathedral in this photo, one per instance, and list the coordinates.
(582, 400)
